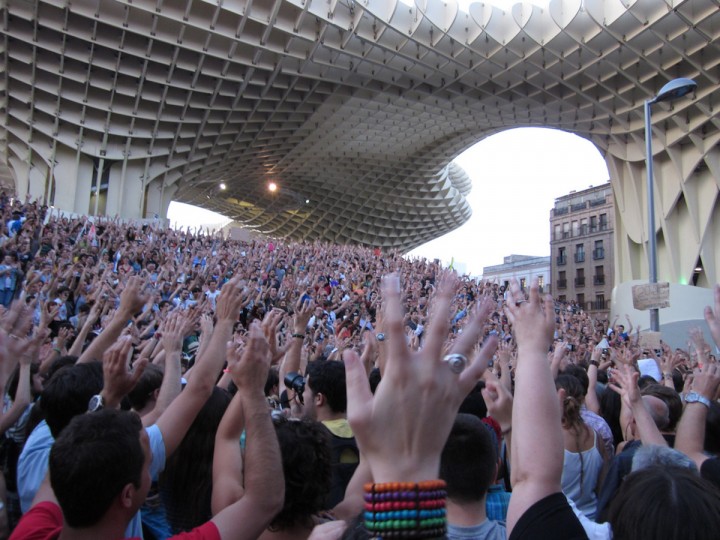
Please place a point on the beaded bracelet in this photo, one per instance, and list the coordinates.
(406, 510)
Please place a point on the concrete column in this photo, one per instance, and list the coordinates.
(159, 198)
(125, 190)
(72, 176)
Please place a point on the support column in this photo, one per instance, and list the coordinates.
(125, 190)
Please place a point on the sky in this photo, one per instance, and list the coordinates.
(516, 177)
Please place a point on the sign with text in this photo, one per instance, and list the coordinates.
(651, 296)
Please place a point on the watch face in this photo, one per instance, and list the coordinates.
(95, 403)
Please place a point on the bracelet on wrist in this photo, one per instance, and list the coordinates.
(406, 509)
(594, 363)
(57, 350)
(298, 336)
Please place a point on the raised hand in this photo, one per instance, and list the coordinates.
(420, 392)
(119, 378)
(250, 365)
(132, 298)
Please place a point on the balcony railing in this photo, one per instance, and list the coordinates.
(579, 281)
(599, 253)
(561, 260)
(562, 283)
(599, 279)
(580, 257)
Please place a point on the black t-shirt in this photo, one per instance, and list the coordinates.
(549, 518)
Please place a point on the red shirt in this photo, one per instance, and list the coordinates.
(44, 521)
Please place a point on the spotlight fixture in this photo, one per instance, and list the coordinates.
(272, 187)
(223, 186)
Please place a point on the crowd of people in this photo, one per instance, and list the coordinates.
(162, 382)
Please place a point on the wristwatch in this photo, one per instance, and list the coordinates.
(96, 403)
(694, 397)
(380, 337)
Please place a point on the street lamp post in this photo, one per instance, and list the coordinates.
(675, 89)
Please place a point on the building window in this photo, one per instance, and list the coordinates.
(580, 277)
(581, 300)
(599, 278)
(575, 228)
(583, 226)
(566, 230)
(593, 224)
(599, 251)
(562, 280)
(558, 232)
(603, 222)
(599, 301)
(561, 256)
(580, 253)
(562, 298)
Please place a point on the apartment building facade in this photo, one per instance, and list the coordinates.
(582, 264)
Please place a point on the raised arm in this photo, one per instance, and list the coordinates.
(256, 499)
(690, 436)
(625, 381)
(131, 301)
(537, 442)
(173, 331)
(591, 398)
(178, 417)
(419, 396)
(291, 362)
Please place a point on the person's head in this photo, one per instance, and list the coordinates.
(325, 389)
(654, 454)
(468, 462)
(147, 387)
(580, 374)
(659, 411)
(100, 460)
(572, 399)
(68, 393)
(665, 503)
(306, 456)
(671, 399)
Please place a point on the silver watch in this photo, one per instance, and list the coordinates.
(694, 397)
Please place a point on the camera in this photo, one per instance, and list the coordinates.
(296, 382)
(605, 352)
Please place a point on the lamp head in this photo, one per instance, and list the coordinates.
(675, 89)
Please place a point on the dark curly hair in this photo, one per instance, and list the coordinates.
(306, 455)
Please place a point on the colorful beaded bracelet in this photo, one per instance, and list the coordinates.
(406, 510)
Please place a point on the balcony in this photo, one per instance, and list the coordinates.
(561, 260)
(599, 279)
(580, 281)
(562, 283)
(598, 253)
(580, 257)
(603, 226)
